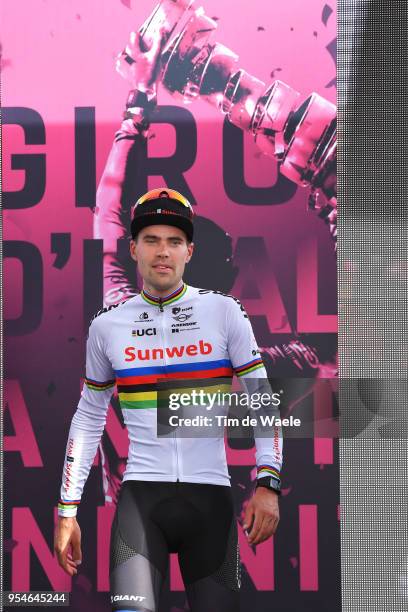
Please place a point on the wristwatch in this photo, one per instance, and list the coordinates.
(269, 483)
(139, 104)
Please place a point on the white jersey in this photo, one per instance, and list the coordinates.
(192, 334)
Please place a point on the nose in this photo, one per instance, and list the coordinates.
(163, 250)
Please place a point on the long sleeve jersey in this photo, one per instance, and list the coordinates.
(191, 336)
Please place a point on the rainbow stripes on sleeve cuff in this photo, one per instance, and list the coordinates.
(68, 505)
(94, 385)
(267, 470)
(249, 367)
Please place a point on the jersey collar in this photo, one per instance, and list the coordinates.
(168, 299)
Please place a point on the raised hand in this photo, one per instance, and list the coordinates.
(139, 62)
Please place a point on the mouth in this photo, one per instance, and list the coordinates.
(162, 268)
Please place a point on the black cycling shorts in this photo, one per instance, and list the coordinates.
(196, 521)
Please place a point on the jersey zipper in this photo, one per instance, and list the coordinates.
(161, 310)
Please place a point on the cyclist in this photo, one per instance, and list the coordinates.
(176, 494)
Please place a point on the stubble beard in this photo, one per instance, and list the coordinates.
(158, 284)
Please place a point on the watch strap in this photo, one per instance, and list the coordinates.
(139, 105)
(141, 99)
(269, 482)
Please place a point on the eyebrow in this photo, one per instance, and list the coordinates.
(158, 237)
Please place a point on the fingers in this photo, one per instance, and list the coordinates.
(76, 551)
(262, 532)
(71, 564)
(274, 525)
(157, 45)
(66, 562)
(143, 44)
(138, 43)
(268, 528)
(248, 517)
(256, 527)
(68, 548)
(264, 527)
(132, 47)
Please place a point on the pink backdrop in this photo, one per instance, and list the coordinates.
(57, 57)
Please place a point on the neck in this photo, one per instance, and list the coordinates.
(161, 293)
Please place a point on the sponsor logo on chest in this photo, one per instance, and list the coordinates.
(132, 353)
(177, 309)
(147, 331)
(144, 318)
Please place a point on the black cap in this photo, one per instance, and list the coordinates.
(163, 210)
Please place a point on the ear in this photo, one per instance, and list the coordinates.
(132, 248)
(190, 250)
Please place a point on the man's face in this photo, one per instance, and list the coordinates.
(161, 252)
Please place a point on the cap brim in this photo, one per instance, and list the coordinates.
(182, 223)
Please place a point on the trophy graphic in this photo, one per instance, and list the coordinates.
(299, 133)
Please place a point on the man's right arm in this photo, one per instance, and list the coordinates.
(88, 422)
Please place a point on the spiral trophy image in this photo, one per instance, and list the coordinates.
(299, 133)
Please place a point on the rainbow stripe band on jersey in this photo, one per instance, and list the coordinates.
(98, 386)
(249, 367)
(267, 470)
(137, 386)
(144, 398)
(169, 299)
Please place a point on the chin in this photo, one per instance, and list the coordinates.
(163, 282)
(165, 279)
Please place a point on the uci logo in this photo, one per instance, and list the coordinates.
(150, 331)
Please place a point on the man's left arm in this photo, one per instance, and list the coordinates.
(262, 511)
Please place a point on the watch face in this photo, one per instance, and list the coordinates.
(274, 484)
(269, 483)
